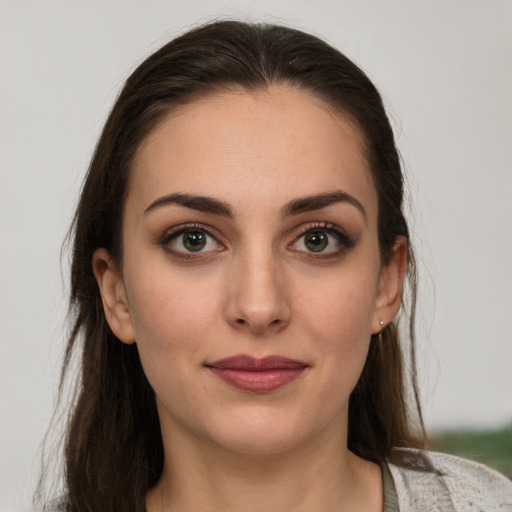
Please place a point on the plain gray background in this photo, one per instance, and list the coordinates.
(445, 71)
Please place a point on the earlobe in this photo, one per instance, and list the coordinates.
(389, 296)
(113, 296)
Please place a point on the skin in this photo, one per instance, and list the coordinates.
(256, 288)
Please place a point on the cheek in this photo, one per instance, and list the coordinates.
(171, 321)
(341, 308)
(339, 319)
(171, 318)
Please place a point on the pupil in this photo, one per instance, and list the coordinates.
(316, 241)
(194, 240)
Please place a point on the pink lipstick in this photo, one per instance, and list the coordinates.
(257, 375)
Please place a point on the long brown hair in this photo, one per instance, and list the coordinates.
(113, 445)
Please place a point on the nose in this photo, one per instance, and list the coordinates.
(257, 298)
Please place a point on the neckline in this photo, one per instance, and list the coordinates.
(390, 495)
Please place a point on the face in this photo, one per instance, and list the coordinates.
(251, 277)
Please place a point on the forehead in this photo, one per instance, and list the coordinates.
(241, 146)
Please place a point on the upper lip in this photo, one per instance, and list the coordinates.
(249, 363)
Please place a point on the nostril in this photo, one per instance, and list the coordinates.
(243, 322)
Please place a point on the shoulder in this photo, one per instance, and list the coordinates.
(455, 485)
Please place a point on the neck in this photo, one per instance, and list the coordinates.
(317, 476)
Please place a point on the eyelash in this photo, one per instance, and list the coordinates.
(174, 233)
(346, 241)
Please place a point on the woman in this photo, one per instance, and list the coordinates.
(238, 266)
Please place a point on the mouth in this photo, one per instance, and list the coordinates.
(257, 375)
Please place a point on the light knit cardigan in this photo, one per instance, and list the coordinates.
(461, 486)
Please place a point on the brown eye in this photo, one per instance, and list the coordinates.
(316, 241)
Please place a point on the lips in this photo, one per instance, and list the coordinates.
(257, 375)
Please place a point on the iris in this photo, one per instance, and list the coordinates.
(316, 241)
(194, 240)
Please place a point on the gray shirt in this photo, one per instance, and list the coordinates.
(461, 485)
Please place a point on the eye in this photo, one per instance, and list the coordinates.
(323, 240)
(316, 241)
(187, 241)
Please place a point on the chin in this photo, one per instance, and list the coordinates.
(263, 433)
(261, 443)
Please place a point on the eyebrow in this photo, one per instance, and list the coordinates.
(319, 201)
(200, 203)
(296, 206)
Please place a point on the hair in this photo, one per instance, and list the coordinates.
(113, 445)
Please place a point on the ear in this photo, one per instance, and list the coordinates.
(113, 295)
(389, 296)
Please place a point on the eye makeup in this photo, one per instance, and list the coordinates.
(199, 242)
(190, 241)
(322, 240)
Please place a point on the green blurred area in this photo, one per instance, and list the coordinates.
(493, 448)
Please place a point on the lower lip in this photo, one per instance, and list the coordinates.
(260, 380)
